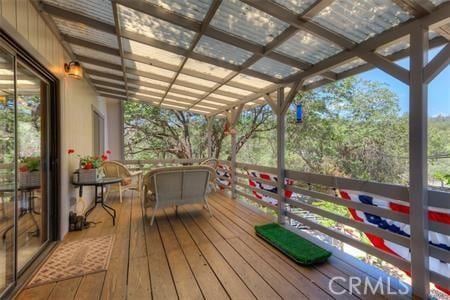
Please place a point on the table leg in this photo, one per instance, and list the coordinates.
(113, 215)
(95, 202)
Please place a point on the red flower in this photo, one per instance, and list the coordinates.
(88, 166)
(23, 169)
(70, 151)
(108, 151)
(104, 157)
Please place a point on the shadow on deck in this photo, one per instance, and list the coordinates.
(193, 256)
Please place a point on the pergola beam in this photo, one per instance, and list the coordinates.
(204, 25)
(387, 66)
(273, 104)
(290, 97)
(119, 42)
(193, 25)
(289, 17)
(440, 13)
(437, 64)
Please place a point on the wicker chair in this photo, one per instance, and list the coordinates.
(130, 180)
(174, 186)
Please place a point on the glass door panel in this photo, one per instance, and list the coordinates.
(7, 167)
(32, 93)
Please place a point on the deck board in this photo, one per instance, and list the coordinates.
(193, 256)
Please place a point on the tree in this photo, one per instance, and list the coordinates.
(351, 128)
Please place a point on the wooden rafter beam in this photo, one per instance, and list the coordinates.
(119, 42)
(272, 103)
(386, 65)
(204, 25)
(437, 64)
(291, 18)
(193, 25)
(440, 13)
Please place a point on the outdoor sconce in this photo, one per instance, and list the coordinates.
(299, 113)
(73, 69)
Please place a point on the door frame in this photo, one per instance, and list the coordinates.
(54, 172)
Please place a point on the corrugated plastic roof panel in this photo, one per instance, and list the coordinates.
(348, 65)
(145, 88)
(247, 22)
(297, 6)
(110, 87)
(212, 102)
(227, 88)
(155, 28)
(81, 31)
(222, 97)
(223, 51)
(308, 47)
(194, 9)
(172, 94)
(187, 89)
(205, 68)
(400, 44)
(195, 80)
(273, 68)
(146, 79)
(99, 78)
(83, 51)
(151, 52)
(251, 81)
(147, 68)
(100, 10)
(360, 20)
(101, 69)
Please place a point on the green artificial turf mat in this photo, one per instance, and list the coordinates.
(297, 248)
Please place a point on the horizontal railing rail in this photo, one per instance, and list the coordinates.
(306, 188)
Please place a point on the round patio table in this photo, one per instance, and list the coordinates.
(27, 193)
(99, 197)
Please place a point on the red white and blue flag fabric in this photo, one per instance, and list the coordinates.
(434, 214)
(223, 171)
(267, 187)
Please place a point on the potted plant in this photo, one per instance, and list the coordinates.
(90, 166)
(29, 174)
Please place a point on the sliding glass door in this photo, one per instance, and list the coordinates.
(25, 161)
(7, 167)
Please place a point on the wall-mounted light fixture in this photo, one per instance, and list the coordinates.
(73, 69)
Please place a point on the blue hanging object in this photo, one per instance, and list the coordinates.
(299, 113)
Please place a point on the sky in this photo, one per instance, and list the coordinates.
(438, 89)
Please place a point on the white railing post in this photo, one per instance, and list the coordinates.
(233, 118)
(418, 168)
(281, 130)
(210, 123)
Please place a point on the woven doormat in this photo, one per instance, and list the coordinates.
(75, 258)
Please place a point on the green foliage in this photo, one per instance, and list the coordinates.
(31, 164)
(351, 128)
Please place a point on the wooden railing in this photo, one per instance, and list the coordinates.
(148, 164)
(308, 187)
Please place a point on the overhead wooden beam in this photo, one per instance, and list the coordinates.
(291, 18)
(437, 64)
(387, 66)
(273, 104)
(74, 17)
(440, 13)
(193, 25)
(91, 45)
(290, 97)
(100, 63)
(119, 42)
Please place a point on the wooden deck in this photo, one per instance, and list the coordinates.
(193, 256)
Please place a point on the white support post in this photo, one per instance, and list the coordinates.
(210, 123)
(233, 118)
(281, 130)
(418, 165)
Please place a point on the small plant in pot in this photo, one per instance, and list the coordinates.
(29, 174)
(90, 167)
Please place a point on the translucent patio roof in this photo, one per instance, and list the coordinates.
(207, 56)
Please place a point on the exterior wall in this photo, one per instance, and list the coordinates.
(22, 21)
(114, 129)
